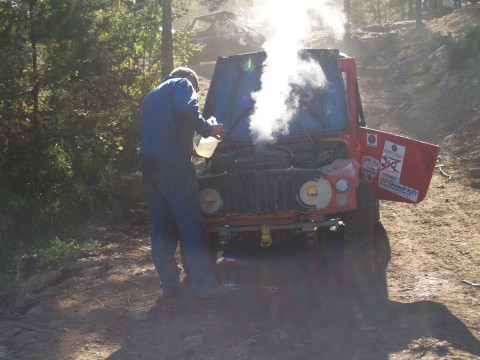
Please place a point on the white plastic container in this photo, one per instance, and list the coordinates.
(205, 147)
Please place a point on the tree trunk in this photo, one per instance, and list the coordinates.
(167, 38)
(379, 16)
(346, 9)
(35, 82)
(419, 23)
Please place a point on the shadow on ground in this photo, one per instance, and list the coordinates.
(293, 304)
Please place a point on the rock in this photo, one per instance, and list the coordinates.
(374, 28)
(439, 57)
(475, 184)
(84, 253)
(92, 271)
(475, 173)
(78, 264)
(137, 316)
(409, 24)
(74, 268)
(449, 81)
(37, 311)
(114, 236)
(21, 295)
(19, 299)
(38, 282)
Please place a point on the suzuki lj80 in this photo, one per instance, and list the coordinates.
(326, 171)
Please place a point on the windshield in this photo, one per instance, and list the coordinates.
(318, 110)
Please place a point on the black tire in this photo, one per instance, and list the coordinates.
(360, 223)
(359, 234)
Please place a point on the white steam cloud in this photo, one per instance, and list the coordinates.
(292, 24)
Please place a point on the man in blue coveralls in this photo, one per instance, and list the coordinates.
(169, 120)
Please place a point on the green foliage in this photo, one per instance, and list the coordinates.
(213, 5)
(460, 52)
(60, 151)
(184, 48)
(20, 218)
(381, 11)
(6, 277)
(57, 253)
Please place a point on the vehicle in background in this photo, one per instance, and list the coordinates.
(222, 34)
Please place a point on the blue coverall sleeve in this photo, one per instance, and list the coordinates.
(185, 103)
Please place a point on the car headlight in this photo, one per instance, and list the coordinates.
(341, 185)
(210, 200)
(315, 193)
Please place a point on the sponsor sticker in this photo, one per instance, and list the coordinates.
(399, 189)
(391, 169)
(370, 168)
(372, 140)
(392, 160)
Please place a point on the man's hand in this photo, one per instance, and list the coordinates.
(217, 131)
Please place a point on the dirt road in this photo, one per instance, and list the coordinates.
(289, 303)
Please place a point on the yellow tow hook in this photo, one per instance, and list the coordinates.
(266, 239)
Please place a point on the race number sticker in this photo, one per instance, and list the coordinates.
(370, 168)
(391, 169)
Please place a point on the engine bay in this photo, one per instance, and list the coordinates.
(275, 156)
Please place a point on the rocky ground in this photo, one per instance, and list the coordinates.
(290, 303)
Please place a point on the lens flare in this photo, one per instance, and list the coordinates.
(249, 65)
(245, 101)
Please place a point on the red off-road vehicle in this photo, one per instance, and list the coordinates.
(327, 172)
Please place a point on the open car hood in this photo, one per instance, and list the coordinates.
(235, 78)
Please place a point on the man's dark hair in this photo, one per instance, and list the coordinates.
(185, 72)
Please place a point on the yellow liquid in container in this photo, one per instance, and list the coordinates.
(205, 147)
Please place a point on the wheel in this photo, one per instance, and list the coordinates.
(359, 233)
(360, 223)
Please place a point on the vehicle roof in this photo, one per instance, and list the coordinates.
(212, 16)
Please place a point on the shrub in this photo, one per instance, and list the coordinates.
(57, 253)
